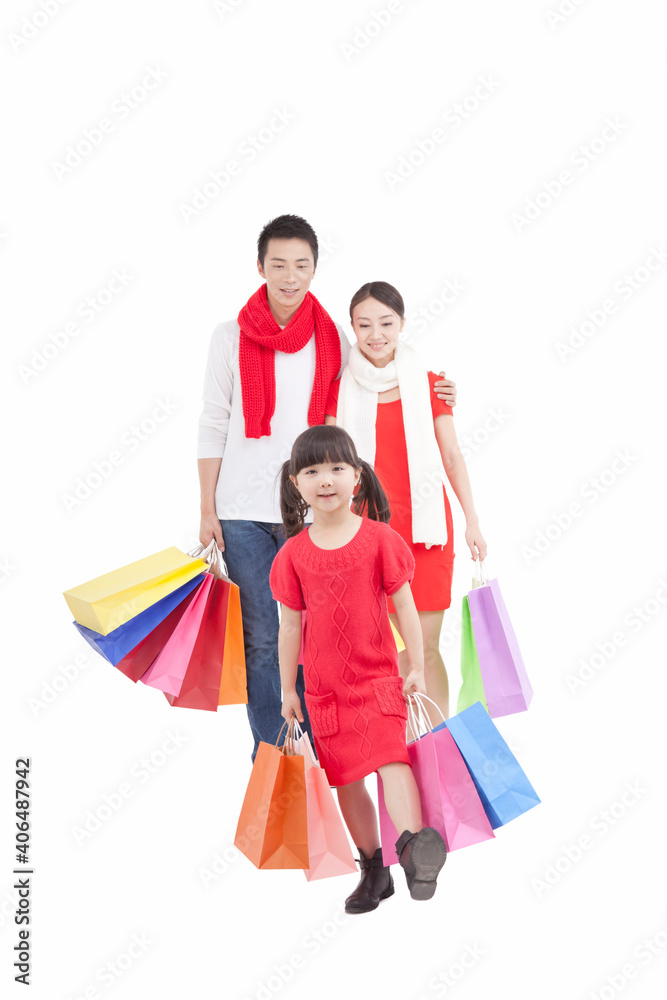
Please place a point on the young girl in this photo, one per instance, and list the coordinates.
(384, 399)
(339, 572)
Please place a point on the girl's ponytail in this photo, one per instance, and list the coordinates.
(370, 496)
(293, 507)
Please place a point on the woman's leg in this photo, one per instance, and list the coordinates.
(401, 796)
(435, 672)
(358, 811)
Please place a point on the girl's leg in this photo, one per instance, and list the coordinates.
(401, 796)
(358, 812)
(435, 673)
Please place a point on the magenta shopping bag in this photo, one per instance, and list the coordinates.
(168, 669)
(506, 686)
(449, 800)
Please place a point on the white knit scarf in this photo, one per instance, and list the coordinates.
(357, 411)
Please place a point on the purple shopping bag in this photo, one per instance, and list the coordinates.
(506, 686)
(449, 800)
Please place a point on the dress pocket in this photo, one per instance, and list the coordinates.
(389, 693)
(323, 713)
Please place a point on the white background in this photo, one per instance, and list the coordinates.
(359, 99)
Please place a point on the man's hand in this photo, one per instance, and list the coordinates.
(210, 528)
(445, 389)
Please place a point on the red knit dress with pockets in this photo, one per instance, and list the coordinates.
(354, 691)
(434, 567)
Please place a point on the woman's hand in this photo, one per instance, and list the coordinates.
(291, 706)
(210, 528)
(475, 542)
(414, 683)
(445, 389)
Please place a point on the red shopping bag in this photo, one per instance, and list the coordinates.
(449, 799)
(201, 683)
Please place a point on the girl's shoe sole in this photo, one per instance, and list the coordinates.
(428, 855)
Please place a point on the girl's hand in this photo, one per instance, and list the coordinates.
(291, 706)
(475, 542)
(414, 683)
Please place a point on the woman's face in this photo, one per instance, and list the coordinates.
(376, 327)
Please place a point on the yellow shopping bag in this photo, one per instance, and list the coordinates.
(111, 600)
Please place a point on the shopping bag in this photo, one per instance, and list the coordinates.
(111, 600)
(506, 685)
(449, 800)
(233, 683)
(118, 643)
(135, 663)
(503, 787)
(329, 850)
(167, 671)
(272, 830)
(472, 689)
(201, 683)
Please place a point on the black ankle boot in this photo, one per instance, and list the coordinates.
(421, 855)
(375, 884)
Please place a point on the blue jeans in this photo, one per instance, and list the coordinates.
(250, 548)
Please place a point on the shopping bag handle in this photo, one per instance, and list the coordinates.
(419, 718)
(213, 556)
(299, 735)
(480, 576)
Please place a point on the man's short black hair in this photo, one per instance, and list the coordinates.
(286, 227)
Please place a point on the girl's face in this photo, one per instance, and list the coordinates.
(328, 486)
(377, 328)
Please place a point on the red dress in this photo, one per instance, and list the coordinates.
(354, 691)
(434, 567)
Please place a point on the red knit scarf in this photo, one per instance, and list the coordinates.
(261, 337)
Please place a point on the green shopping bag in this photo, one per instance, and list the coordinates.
(472, 689)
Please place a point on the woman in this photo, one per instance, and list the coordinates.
(384, 400)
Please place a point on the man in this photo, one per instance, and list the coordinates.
(267, 380)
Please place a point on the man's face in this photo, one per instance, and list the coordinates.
(289, 268)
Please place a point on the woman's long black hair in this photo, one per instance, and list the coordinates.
(327, 443)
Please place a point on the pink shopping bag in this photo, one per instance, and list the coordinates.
(449, 800)
(168, 669)
(329, 849)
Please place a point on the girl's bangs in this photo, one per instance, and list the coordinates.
(320, 444)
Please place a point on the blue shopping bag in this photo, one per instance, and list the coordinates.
(502, 785)
(118, 643)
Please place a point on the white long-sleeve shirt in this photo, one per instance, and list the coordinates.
(248, 488)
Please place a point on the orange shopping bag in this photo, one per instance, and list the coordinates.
(272, 830)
